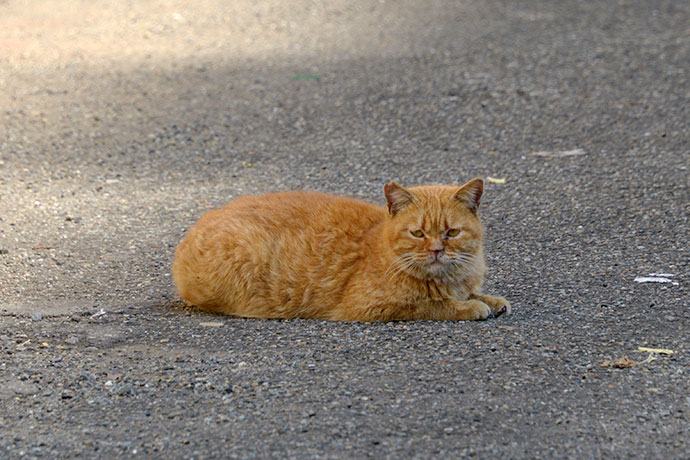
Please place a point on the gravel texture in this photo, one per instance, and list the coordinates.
(122, 122)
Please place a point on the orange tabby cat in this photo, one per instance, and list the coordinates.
(311, 255)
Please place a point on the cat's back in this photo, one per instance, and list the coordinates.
(294, 210)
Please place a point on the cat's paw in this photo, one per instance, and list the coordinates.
(473, 310)
(499, 306)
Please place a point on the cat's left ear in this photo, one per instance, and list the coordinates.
(397, 197)
(470, 194)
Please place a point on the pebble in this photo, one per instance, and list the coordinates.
(38, 316)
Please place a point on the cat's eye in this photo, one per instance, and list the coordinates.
(453, 232)
(417, 233)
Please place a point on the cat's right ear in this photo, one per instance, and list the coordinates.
(397, 197)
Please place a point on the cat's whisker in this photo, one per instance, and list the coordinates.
(399, 268)
(400, 264)
(399, 271)
(462, 260)
(404, 266)
(393, 265)
(408, 263)
(461, 256)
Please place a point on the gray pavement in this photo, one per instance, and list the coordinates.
(121, 123)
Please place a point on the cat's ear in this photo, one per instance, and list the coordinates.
(397, 197)
(470, 194)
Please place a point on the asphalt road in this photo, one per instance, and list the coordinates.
(122, 122)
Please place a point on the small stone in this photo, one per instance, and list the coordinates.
(72, 340)
(126, 391)
(38, 316)
(24, 388)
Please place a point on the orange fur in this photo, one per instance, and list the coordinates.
(311, 255)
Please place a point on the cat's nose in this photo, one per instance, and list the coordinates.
(437, 253)
(436, 248)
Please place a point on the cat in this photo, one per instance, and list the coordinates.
(312, 255)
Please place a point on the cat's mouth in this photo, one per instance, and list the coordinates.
(435, 266)
(436, 260)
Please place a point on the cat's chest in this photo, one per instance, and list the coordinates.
(416, 290)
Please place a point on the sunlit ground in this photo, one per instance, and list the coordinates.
(107, 108)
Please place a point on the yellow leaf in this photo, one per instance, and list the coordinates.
(495, 180)
(662, 351)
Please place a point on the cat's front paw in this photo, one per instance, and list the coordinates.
(473, 310)
(499, 306)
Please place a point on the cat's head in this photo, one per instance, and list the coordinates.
(434, 231)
